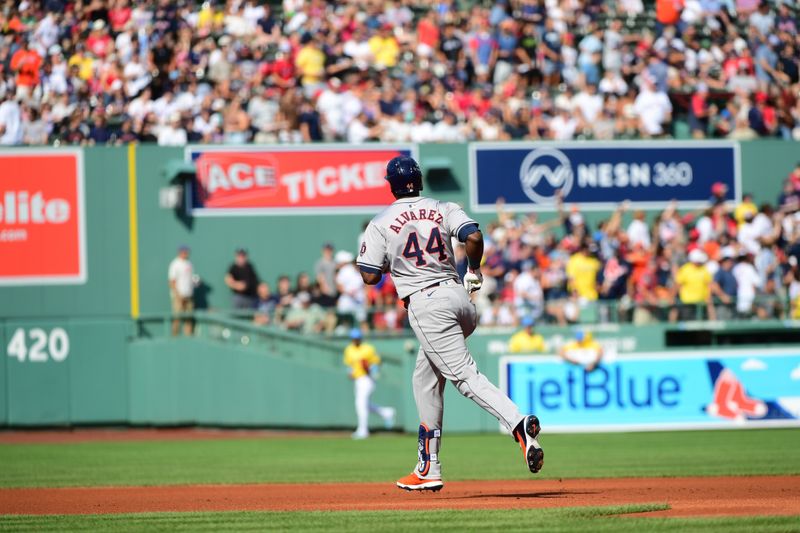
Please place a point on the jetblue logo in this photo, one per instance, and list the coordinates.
(543, 172)
(605, 387)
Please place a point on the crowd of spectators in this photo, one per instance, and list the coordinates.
(728, 261)
(331, 297)
(171, 72)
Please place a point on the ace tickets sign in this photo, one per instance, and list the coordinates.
(291, 180)
(42, 220)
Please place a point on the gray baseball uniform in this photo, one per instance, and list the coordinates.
(413, 237)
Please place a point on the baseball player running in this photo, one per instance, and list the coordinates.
(363, 362)
(412, 239)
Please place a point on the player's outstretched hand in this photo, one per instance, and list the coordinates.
(473, 280)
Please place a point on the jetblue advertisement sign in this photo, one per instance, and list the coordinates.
(600, 176)
(658, 391)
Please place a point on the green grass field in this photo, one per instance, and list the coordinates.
(580, 519)
(383, 459)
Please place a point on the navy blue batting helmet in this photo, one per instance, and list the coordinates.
(404, 176)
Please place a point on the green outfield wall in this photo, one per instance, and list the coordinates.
(79, 371)
(278, 244)
(117, 370)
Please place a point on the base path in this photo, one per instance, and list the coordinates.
(696, 496)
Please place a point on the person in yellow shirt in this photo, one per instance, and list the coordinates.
(526, 340)
(363, 363)
(582, 351)
(310, 63)
(384, 47)
(693, 281)
(84, 62)
(582, 271)
(209, 18)
(747, 207)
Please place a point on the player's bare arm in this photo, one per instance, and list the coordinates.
(473, 246)
(371, 278)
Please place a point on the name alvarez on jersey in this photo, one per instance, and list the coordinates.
(423, 214)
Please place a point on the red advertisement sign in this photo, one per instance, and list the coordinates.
(42, 237)
(242, 181)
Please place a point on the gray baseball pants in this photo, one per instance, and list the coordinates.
(442, 318)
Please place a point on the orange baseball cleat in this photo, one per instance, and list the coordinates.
(414, 482)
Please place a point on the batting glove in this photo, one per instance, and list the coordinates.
(473, 280)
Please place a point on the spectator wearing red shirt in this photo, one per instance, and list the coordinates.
(119, 15)
(279, 72)
(427, 35)
(26, 62)
(762, 116)
(99, 42)
(668, 13)
(794, 177)
(698, 112)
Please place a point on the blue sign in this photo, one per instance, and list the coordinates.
(652, 391)
(600, 176)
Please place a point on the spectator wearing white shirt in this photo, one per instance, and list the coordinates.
(172, 134)
(181, 289)
(528, 294)
(750, 233)
(165, 106)
(612, 83)
(358, 48)
(55, 82)
(189, 99)
(46, 34)
(562, 127)
(447, 130)
(360, 130)
(612, 45)
(136, 77)
(489, 128)
(748, 283)
(253, 13)
(631, 7)
(206, 124)
(141, 105)
(420, 130)
(330, 106)
(123, 45)
(763, 20)
(10, 122)
(753, 230)
(638, 231)
(263, 110)
(653, 108)
(352, 294)
(588, 103)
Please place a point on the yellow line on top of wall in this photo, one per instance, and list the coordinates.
(133, 231)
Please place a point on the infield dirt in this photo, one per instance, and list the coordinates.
(693, 496)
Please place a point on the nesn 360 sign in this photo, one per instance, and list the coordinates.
(599, 176)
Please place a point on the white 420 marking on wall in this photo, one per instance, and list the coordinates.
(42, 346)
